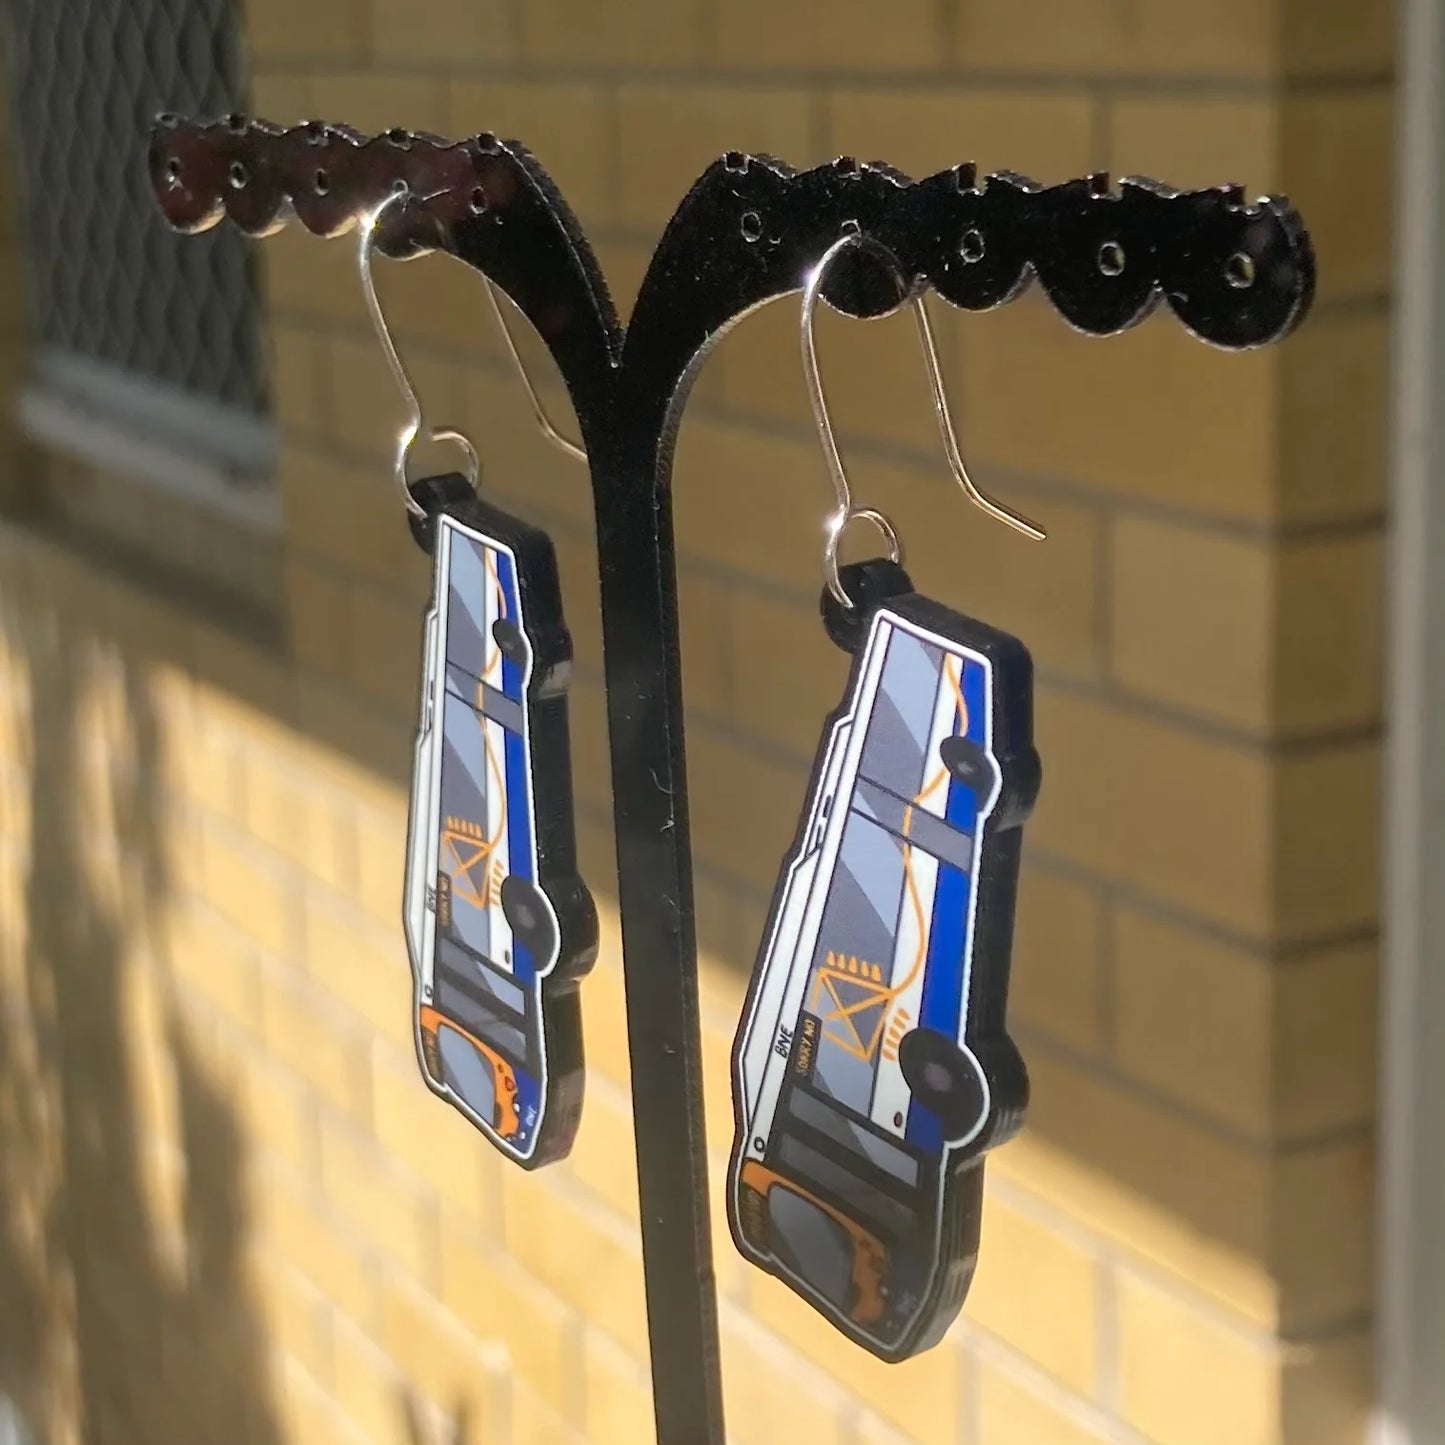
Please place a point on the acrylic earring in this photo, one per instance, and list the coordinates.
(499, 926)
(872, 1069)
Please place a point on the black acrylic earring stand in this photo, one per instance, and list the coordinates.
(1237, 275)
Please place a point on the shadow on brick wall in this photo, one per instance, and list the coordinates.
(123, 1265)
(124, 1308)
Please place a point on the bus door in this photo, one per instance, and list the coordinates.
(476, 1002)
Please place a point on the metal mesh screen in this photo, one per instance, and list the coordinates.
(110, 283)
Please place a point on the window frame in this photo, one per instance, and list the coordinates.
(87, 390)
(1410, 1332)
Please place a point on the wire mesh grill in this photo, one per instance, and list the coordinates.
(110, 282)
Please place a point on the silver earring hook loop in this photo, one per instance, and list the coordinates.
(832, 455)
(406, 437)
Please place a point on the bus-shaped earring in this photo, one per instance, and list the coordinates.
(872, 1069)
(499, 926)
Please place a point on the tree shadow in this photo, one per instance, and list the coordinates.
(125, 1314)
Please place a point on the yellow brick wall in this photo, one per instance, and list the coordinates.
(231, 1211)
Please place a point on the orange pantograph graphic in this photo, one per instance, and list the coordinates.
(847, 1024)
(465, 840)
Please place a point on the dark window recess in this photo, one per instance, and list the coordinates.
(113, 291)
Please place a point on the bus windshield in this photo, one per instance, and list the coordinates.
(468, 1074)
(811, 1243)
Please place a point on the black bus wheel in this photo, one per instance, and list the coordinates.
(511, 641)
(970, 763)
(944, 1080)
(529, 916)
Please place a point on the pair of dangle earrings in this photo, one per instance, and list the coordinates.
(871, 1068)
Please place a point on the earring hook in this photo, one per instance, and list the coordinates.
(842, 489)
(406, 437)
(563, 443)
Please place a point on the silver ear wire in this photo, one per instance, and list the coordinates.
(842, 490)
(562, 443)
(406, 437)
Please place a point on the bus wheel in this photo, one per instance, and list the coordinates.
(529, 916)
(943, 1079)
(511, 641)
(970, 763)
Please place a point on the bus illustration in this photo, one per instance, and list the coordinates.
(496, 947)
(871, 1069)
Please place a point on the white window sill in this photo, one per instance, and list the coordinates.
(209, 455)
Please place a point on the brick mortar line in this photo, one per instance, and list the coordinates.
(827, 1389)
(1038, 1382)
(242, 746)
(970, 1417)
(401, 1283)
(1106, 958)
(1277, 951)
(612, 152)
(479, 1236)
(785, 757)
(1280, 747)
(1267, 952)
(1042, 487)
(325, 1008)
(1101, 142)
(1129, 705)
(1119, 1259)
(1286, 1145)
(229, 612)
(875, 448)
(1362, 1322)
(242, 1036)
(578, 1196)
(361, 1136)
(1108, 1376)
(706, 29)
(946, 29)
(1275, 748)
(604, 233)
(819, 121)
(515, 25)
(347, 1431)
(1369, 303)
(922, 79)
(297, 967)
(319, 1204)
(1105, 558)
(270, 860)
(296, 775)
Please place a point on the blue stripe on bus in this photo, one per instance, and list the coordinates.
(942, 1001)
(529, 1102)
(975, 694)
(942, 982)
(507, 580)
(519, 838)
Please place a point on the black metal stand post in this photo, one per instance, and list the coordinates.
(1236, 275)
